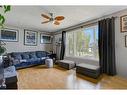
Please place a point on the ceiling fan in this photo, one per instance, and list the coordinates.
(56, 20)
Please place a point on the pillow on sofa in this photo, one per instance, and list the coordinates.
(17, 56)
(25, 55)
(16, 61)
(33, 55)
(41, 54)
(23, 60)
(43, 58)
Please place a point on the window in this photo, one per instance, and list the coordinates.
(70, 43)
(82, 42)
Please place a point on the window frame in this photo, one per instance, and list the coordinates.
(95, 26)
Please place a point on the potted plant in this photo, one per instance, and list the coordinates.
(3, 9)
(2, 49)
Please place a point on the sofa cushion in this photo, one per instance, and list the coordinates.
(22, 65)
(25, 55)
(41, 54)
(17, 55)
(31, 60)
(34, 61)
(42, 58)
(16, 61)
(23, 60)
(33, 55)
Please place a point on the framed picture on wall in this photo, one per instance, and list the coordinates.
(123, 23)
(125, 40)
(9, 35)
(30, 37)
(45, 39)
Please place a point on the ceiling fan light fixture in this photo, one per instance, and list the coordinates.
(55, 20)
(59, 18)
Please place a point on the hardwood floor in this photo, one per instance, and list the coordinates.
(40, 77)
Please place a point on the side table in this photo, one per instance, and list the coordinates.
(49, 63)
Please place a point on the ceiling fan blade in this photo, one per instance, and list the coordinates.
(56, 23)
(45, 22)
(59, 18)
(45, 16)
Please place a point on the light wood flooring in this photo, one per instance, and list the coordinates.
(40, 77)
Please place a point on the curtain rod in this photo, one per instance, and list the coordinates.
(80, 26)
(87, 23)
(83, 24)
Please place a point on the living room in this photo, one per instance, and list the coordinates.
(60, 47)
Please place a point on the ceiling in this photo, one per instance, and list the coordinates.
(29, 17)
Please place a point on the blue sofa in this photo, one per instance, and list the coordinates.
(26, 59)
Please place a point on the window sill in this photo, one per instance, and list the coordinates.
(84, 58)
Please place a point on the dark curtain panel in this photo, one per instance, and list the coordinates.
(63, 45)
(106, 43)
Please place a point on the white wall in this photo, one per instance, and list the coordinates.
(20, 47)
(121, 50)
